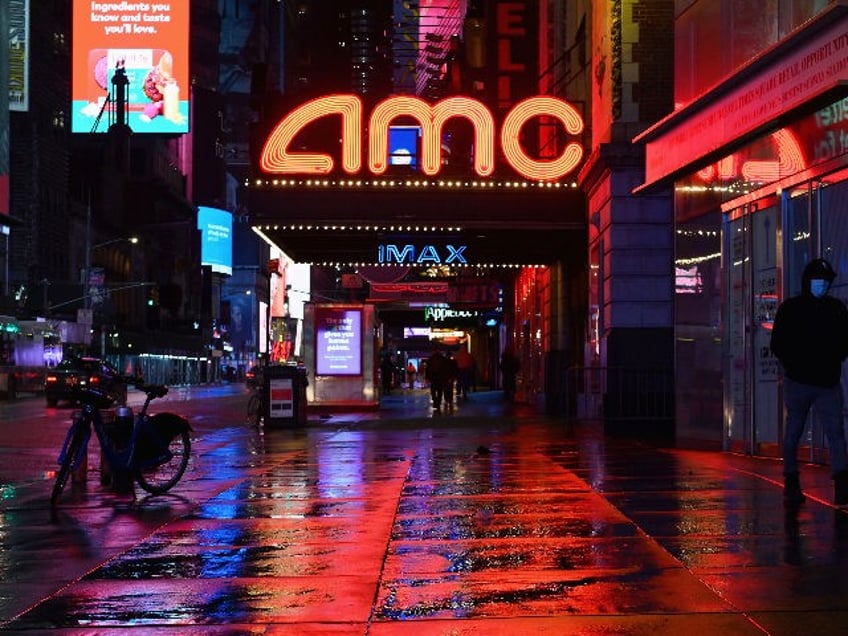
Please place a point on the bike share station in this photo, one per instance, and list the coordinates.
(285, 385)
(152, 450)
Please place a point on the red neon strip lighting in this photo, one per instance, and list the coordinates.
(526, 110)
(277, 159)
(790, 160)
(432, 120)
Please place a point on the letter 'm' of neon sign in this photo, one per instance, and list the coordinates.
(277, 159)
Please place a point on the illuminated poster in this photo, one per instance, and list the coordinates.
(18, 55)
(216, 243)
(237, 315)
(403, 146)
(338, 332)
(150, 41)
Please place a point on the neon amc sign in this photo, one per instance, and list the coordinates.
(276, 158)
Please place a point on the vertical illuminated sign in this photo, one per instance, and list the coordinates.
(515, 44)
(150, 41)
(216, 247)
(338, 346)
(18, 13)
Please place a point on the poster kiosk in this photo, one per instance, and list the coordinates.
(339, 350)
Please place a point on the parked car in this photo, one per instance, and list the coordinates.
(64, 381)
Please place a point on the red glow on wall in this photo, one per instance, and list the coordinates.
(276, 158)
(789, 159)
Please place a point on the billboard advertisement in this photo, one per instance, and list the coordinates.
(18, 55)
(403, 146)
(237, 317)
(216, 241)
(338, 347)
(149, 40)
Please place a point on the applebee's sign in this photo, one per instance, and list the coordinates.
(276, 158)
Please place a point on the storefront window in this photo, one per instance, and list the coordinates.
(698, 318)
(532, 321)
(714, 38)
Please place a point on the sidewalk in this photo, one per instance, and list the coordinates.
(492, 520)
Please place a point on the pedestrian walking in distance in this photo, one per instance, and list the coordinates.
(465, 372)
(509, 369)
(436, 374)
(810, 339)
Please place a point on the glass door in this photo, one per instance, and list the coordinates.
(751, 271)
(766, 245)
(817, 224)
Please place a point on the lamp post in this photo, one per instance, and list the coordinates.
(89, 249)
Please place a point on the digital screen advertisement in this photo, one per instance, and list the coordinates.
(19, 46)
(403, 146)
(216, 242)
(338, 332)
(149, 40)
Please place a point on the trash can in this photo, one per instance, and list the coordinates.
(285, 388)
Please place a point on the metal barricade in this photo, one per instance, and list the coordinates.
(622, 397)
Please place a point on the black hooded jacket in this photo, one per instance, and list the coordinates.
(810, 337)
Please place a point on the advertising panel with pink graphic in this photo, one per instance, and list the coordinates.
(338, 331)
(149, 41)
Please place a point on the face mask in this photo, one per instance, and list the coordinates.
(818, 287)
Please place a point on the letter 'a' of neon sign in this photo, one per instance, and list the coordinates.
(276, 158)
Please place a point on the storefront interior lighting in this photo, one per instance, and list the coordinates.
(686, 262)
(699, 233)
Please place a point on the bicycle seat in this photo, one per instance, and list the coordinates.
(153, 390)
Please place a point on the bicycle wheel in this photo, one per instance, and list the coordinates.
(162, 477)
(71, 453)
(254, 408)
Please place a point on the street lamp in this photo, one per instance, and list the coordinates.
(88, 251)
(128, 239)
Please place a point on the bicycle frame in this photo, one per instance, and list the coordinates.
(155, 454)
(90, 417)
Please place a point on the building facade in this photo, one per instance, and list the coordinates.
(756, 153)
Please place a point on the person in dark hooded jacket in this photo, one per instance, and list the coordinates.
(810, 339)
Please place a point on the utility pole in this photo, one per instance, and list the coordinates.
(87, 271)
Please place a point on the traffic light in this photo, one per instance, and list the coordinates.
(153, 297)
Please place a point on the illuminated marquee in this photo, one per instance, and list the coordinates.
(277, 159)
(428, 254)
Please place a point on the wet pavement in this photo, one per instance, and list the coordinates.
(489, 520)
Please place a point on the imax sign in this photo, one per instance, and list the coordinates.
(427, 255)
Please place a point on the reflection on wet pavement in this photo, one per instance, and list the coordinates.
(503, 524)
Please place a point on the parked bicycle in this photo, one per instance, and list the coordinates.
(256, 405)
(152, 450)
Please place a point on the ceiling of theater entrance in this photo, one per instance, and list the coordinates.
(491, 227)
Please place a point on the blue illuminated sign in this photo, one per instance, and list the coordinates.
(216, 247)
(428, 254)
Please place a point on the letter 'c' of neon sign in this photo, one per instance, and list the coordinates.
(277, 159)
